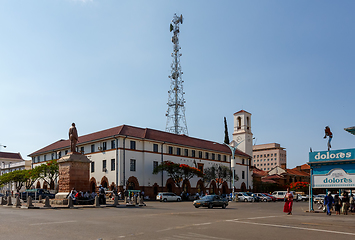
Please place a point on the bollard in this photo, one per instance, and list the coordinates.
(97, 203)
(9, 201)
(18, 203)
(29, 202)
(126, 199)
(46, 203)
(39, 198)
(3, 201)
(115, 200)
(141, 201)
(135, 200)
(70, 203)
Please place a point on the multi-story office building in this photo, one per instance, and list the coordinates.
(125, 156)
(268, 156)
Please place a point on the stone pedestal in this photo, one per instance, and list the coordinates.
(74, 172)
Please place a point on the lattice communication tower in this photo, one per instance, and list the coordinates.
(176, 121)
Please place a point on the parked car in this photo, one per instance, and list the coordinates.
(256, 198)
(211, 201)
(280, 195)
(263, 197)
(242, 196)
(303, 197)
(35, 193)
(168, 196)
(319, 197)
(272, 197)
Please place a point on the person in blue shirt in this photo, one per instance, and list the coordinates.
(328, 201)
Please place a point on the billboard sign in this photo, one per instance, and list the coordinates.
(335, 155)
(336, 178)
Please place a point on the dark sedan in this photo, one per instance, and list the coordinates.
(211, 201)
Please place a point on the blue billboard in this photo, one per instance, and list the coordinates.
(334, 155)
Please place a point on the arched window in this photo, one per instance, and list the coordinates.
(248, 123)
(239, 123)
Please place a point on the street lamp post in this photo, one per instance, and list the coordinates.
(233, 161)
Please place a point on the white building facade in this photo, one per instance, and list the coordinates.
(125, 156)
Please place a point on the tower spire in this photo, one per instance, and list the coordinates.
(176, 121)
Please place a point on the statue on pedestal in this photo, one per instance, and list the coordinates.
(73, 137)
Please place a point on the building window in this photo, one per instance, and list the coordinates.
(92, 166)
(155, 147)
(104, 165)
(170, 150)
(186, 152)
(243, 161)
(92, 148)
(45, 158)
(219, 157)
(275, 154)
(193, 153)
(104, 146)
(206, 155)
(200, 167)
(133, 145)
(178, 151)
(133, 165)
(38, 159)
(243, 174)
(224, 158)
(66, 152)
(113, 144)
(155, 165)
(59, 154)
(82, 150)
(113, 165)
(52, 156)
(200, 154)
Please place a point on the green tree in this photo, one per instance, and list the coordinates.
(48, 172)
(219, 174)
(178, 172)
(226, 137)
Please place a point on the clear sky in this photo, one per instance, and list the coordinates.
(106, 63)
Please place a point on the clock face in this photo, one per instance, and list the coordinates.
(239, 139)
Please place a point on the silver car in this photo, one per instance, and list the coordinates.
(168, 196)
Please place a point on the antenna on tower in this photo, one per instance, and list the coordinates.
(176, 121)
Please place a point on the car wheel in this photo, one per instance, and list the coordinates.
(245, 200)
(265, 200)
(197, 206)
(224, 206)
(164, 200)
(210, 205)
(179, 199)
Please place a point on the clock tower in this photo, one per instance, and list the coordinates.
(242, 131)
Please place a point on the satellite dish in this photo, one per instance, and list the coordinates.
(171, 27)
(181, 18)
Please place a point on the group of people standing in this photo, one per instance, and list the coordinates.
(342, 203)
(80, 196)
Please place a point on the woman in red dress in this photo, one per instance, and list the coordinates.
(288, 202)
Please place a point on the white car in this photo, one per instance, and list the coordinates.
(242, 196)
(168, 196)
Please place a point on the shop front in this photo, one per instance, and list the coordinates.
(333, 171)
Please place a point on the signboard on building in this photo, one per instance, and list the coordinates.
(336, 178)
(335, 155)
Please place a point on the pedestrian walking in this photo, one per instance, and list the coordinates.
(337, 203)
(345, 203)
(288, 202)
(328, 202)
(101, 195)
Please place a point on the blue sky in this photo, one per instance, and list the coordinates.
(102, 64)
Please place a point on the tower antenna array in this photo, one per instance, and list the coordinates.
(176, 121)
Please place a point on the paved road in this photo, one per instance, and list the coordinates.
(175, 220)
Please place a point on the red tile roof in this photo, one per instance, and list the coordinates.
(241, 112)
(258, 172)
(274, 176)
(143, 133)
(10, 155)
(268, 181)
(296, 172)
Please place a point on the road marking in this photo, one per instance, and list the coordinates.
(200, 224)
(51, 223)
(262, 217)
(300, 228)
(194, 236)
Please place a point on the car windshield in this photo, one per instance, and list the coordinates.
(248, 193)
(208, 197)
